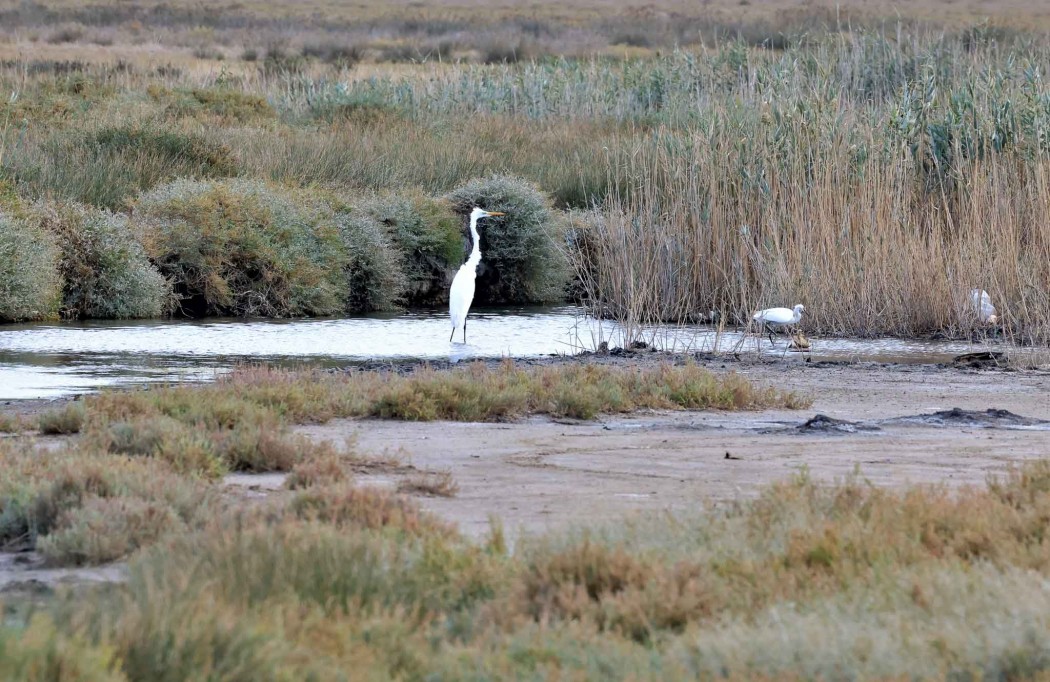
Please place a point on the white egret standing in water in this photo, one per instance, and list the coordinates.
(982, 305)
(781, 317)
(461, 294)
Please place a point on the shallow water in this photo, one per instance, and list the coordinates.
(47, 360)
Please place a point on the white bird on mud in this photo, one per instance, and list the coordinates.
(982, 305)
(781, 317)
(461, 294)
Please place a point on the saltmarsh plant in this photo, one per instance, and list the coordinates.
(30, 283)
(805, 581)
(105, 271)
(428, 235)
(193, 437)
(521, 256)
(243, 247)
(64, 421)
(79, 505)
(482, 393)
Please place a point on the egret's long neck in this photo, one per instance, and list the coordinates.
(475, 252)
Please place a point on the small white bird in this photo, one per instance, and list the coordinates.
(982, 305)
(781, 317)
(461, 294)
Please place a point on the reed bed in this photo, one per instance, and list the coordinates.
(876, 176)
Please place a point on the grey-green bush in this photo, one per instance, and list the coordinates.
(521, 261)
(243, 247)
(427, 234)
(105, 270)
(374, 280)
(248, 248)
(30, 284)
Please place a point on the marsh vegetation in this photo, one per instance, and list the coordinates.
(875, 171)
(655, 165)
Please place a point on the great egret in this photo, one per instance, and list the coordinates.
(982, 305)
(462, 292)
(782, 317)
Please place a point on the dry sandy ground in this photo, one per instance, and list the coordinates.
(544, 474)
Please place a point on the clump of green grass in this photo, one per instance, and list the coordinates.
(107, 167)
(241, 247)
(581, 391)
(373, 271)
(188, 450)
(227, 104)
(30, 283)
(11, 424)
(105, 270)
(522, 261)
(474, 393)
(64, 421)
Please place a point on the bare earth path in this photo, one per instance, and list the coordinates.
(544, 474)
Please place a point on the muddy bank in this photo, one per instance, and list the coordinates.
(896, 425)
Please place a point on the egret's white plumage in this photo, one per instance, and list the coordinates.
(461, 294)
(982, 305)
(781, 317)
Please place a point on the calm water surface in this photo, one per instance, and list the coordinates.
(45, 360)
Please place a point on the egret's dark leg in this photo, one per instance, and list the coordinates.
(769, 330)
(464, 331)
(452, 335)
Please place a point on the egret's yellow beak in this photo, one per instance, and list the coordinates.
(495, 213)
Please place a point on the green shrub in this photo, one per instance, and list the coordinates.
(243, 247)
(427, 233)
(105, 269)
(521, 261)
(30, 283)
(372, 273)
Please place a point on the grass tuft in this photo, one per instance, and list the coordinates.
(67, 420)
(433, 484)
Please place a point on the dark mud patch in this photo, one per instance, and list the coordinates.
(981, 360)
(957, 417)
(822, 423)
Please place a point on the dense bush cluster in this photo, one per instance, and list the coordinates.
(241, 247)
(104, 269)
(30, 287)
